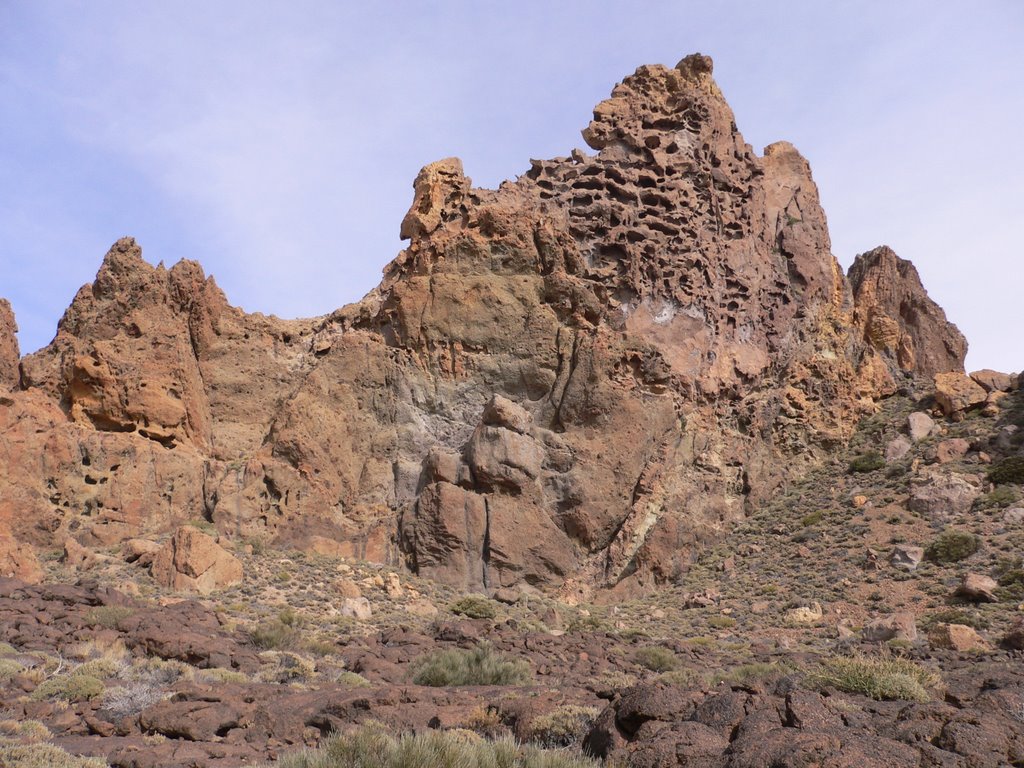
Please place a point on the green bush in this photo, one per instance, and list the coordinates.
(372, 747)
(656, 658)
(998, 498)
(9, 669)
(952, 547)
(474, 607)
(881, 678)
(812, 519)
(72, 687)
(954, 616)
(1009, 470)
(750, 674)
(278, 634)
(479, 666)
(867, 462)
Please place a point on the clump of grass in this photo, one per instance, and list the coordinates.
(952, 547)
(881, 678)
(721, 622)
(656, 658)
(867, 462)
(474, 607)
(278, 634)
(751, 674)
(1009, 470)
(480, 666)
(561, 727)
(684, 677)
(371, 747)
(42, 755)
(9, 669)
(954, 616)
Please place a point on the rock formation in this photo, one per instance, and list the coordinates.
(570, 382)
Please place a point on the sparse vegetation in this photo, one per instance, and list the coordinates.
(479, 666)
(474, 607)
(952, 546)
(867, 462)
(71, 687)
(42, 755)
(278, 634)
(881, 678)
(656, 658)
(372, 747)
(561, 727)
(1008, 470)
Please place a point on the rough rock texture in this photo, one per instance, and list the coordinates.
(955, 392)
(896, 317)
(9, 355)
(192, 561)
(574, 381)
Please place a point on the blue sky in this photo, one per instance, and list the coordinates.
(276, 143)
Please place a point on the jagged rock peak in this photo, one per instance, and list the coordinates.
(896, 316)
(9, 354)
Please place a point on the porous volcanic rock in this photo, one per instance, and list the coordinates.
(574, 381)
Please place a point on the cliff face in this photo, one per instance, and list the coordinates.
(572, 381)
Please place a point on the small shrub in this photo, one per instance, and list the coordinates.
(1009, 470)
(72, 687)
(6, 649)
(9, 669)
(282, 632)
(479, 666)
(474, 607)
(108, 616)
(31, 731)
(881, 678)
(998, 498)
(867, 462)
(483, 720)
(656, 658)
(608, 683)
(721, 622)
(954, 616)
(373, 747)
(561, 727)
(221, 675)
(352, 680)
(952, 547)
(812, 519)
(132, 698)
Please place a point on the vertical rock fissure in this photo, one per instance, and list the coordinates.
(486, 553)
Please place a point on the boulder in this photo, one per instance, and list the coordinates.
(896, 626)
(920, 425)
(78, 557)
(978, 588)
(957, 637)
(502, 412)
(896, 449)
(356, 608)
(1014, 516)
(140, 551)
(941, 495)
(9, 354)
(956, 392)
(191, 561)
(951, 450)
(993, 381)
(906, 556)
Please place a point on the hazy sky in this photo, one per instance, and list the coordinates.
(276, 143)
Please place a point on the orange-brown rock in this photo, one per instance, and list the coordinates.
(895, 316)
(957, 637)
(955, 392)
(18, 560)
(574, 381)
(9, 355)
(194, 562)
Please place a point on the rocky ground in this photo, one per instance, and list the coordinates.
(901, 552)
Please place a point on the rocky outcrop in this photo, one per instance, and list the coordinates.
(9, 355)
(572, 382)
(191, 561)
(895, 315)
